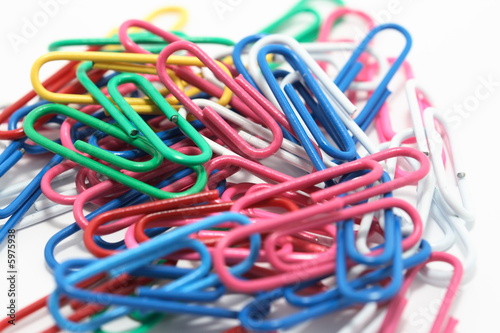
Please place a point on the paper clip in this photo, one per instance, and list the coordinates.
(134, 259)
(23, 202)
(417, 100)
(130, 198)
(210, 118)
(334, 17)
(107, 60)
(303, 7)
(174, 182)
(253, 315)
(462, 205)
(366, 81)
(337, 97)
(177, 26)
(185, 73)
(337, 14)
(385, 187)
(104, 42)
(181, 12)
(332, 123)
(374, 103)
(41, 210)
(258, 136)
(143, 128)
(62, 78)
(465, 245)
(398, 303)
(9, 157)
(310, 180)
(96, 225)
(342, 105)
(392, 254)
(319, 195)
(97, 166)
(320, 52)
(295, 298)
(81, 312)
(179, 217)
(168, 37)
(432, 201)
(310, 217)
(138, 124)
(342, 187)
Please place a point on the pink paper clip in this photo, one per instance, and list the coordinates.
(369, 162)
(336, 15)
(397, 305)
(386, 187)
(131, 46)
(305, 219)
(332, 19)
(310, 180)
(227, 163)
(256, 108)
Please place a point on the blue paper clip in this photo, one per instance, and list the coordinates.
(237, 56)
(138, 257)
(391, 231)
(253, 315)
(334, 126)
(373, 293)
(9, 157)
(353, 67)
(26, 198)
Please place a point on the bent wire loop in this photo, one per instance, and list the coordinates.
(25, 198)
(368, 162)
(97, 223)
(253, 315)
(111, 130)
(133, 124)
(166, 36)
(343, 106)
(256, 106)
(310, 32)
(334, 17)
(59, 81)
(397, 305)
(310, 217)
(125, 62)
(177, 26)
(138, 257)
(132, 197)
(335, 128)
(461, 205)
(379, 95)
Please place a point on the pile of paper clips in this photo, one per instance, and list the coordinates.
(264, 170)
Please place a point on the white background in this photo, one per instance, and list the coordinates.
(455, 49)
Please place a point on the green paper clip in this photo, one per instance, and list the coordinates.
(117, 175)
(308, 34)
(135, 125)
(151, 42)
